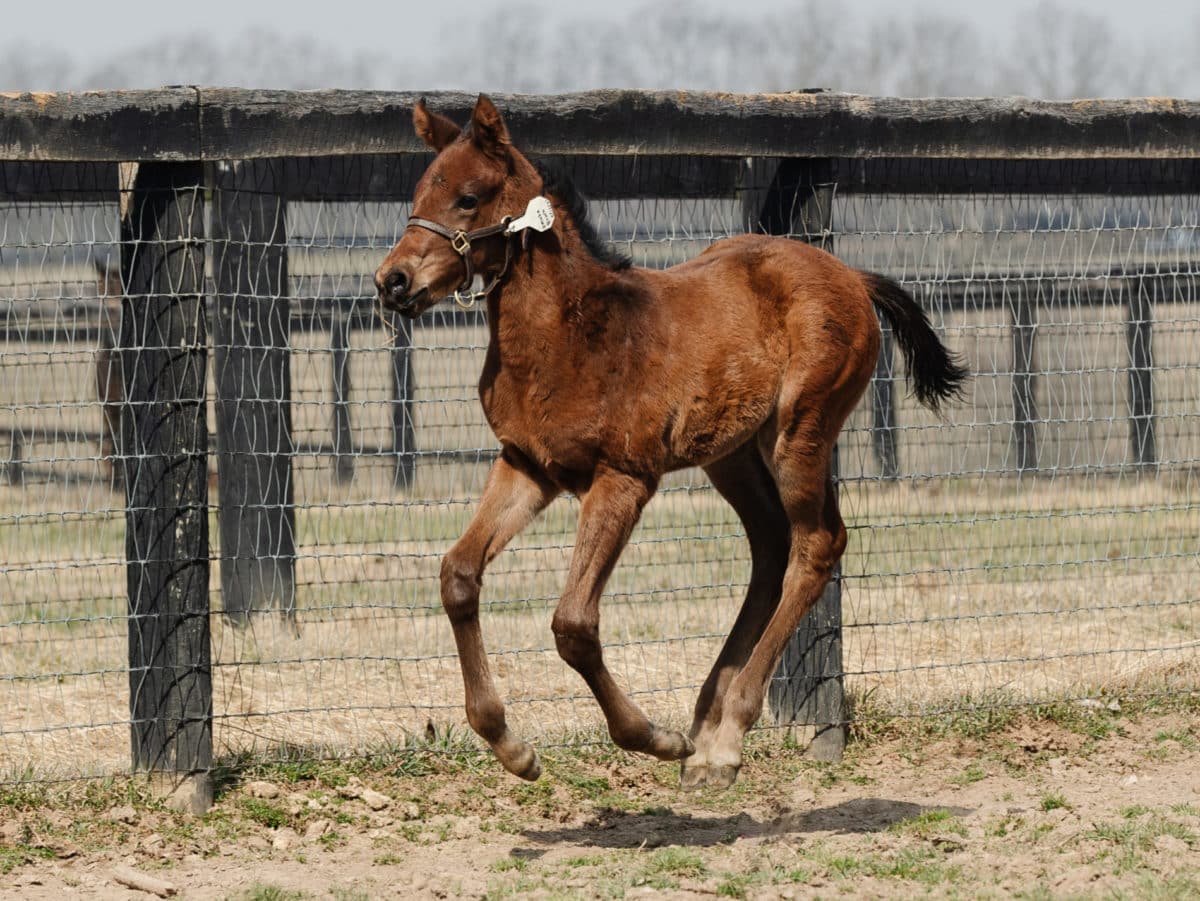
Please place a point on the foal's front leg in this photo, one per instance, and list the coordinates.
(609, 512)
(513, 496)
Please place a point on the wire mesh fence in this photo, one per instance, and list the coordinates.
(1036, 543)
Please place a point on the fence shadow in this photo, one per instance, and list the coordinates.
(619, 829)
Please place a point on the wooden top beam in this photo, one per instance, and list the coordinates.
(115, 126)
(228, 123)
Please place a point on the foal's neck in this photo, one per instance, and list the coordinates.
(549, 278)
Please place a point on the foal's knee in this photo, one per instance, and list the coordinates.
(578, 643)
(485, 714)
(823, 548)
(460, 588)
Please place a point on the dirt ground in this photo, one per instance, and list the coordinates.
(1073, 801)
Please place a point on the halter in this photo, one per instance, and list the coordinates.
(461, 242)
(538, 215)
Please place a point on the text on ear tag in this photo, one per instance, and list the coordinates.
(539, 215)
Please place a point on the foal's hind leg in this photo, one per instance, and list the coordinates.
(818, 538)
(817, 395)
(743, 479)
(799, 456)
(511, 499)
(607, 516)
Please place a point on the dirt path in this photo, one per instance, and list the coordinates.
(1085, 803)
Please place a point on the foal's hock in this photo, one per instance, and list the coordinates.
(600, 377)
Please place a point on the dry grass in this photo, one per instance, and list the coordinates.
(990, 601)
(955, 588)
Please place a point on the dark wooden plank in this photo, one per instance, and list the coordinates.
(253, 380)
(343, 436)
(1139, 337)
(240, 123)
(950, 292)
(232, 123)
(357, 176)
(14, 468)
(1024, 301)
(393, 177)
(103, 125)
(164, 354)
(62, 182)
(1117, 176)
(404, 441)
(883, 406)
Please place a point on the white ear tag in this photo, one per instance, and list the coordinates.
(539, 216)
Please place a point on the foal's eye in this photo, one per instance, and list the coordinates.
(468, 202)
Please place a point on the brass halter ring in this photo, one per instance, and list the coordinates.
(460, 241)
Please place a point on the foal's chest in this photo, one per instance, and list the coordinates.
(556, 431)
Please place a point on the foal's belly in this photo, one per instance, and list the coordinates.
(700, 409)
(700, 436)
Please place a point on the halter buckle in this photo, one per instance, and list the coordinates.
(461, 243)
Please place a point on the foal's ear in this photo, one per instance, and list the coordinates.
(488, 130)
(433, 128)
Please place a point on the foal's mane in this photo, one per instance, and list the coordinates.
(557, 183)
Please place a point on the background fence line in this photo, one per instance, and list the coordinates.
(1037, 543)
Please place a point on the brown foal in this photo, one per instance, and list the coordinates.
(601, 377)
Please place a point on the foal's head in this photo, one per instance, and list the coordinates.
(477, 180)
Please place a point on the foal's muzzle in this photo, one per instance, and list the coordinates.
(394, 288)
(394, 293)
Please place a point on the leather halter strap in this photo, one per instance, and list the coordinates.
(461, 242)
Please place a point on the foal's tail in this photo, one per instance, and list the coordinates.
(935, 373)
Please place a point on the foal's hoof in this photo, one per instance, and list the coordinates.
(532, 771)
(670, 745)
(693, 778)
(522, 761)
(527, 767)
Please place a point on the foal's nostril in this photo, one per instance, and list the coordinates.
(396, 284)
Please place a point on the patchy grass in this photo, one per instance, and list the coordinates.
(1054, 802)
(667, 866)
(1125, 842)
(13, 856)
(1177, 887)
(894, 817)
(504, 864)
(921, 865)
(928, 824)
(264, 892)
(264, 813)
(971, 774)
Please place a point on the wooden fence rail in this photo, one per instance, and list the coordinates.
(783, 156)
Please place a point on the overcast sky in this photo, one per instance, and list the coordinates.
(432, 44)
(398, 27)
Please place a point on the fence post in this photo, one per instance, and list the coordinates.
(1139, 335)
(256, 517)
(1024, 388)
(807, 687)
(165, 448)
(883, 406)
(403, 432)
(14, 468)
(343, 437)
